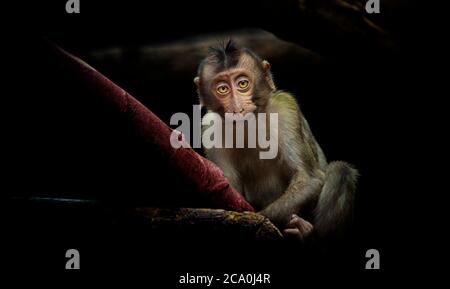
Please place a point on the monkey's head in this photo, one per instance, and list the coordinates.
(233, 80)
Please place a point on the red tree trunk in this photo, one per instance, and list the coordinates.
(204, 175)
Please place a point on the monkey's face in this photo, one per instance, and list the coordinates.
(233, 90)
(239, 84)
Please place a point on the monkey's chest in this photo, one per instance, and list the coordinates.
(263, 181)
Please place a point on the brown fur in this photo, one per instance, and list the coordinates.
(299, 177)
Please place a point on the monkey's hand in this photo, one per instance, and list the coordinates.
(298, 228)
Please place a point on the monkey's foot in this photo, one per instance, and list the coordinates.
(298, 228)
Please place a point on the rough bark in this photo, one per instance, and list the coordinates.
(213, 221)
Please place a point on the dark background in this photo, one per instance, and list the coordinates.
(356, 88)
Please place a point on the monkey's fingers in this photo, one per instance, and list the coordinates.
(301, 224)
(293, 234)
(293, 221)
(309, 226)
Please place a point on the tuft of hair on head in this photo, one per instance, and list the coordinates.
(225, 54)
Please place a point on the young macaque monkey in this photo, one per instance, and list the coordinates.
(298, 183)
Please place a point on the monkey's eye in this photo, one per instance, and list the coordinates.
(223, 89)
(243, 83)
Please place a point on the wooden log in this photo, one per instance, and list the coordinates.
(216, 221)
(163, 224)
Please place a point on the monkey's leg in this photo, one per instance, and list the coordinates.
(302, 190)
(335, 205)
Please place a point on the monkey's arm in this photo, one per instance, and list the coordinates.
(302, 190)
(299, 152)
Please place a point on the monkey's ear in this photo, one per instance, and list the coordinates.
(197, 81)
(269, 79)
(266, 65)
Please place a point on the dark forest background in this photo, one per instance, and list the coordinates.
(355, 76)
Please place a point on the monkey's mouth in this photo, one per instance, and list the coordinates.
(236, 117)
(248, 110)
(239, 116)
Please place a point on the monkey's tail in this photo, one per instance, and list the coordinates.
(335, 205)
